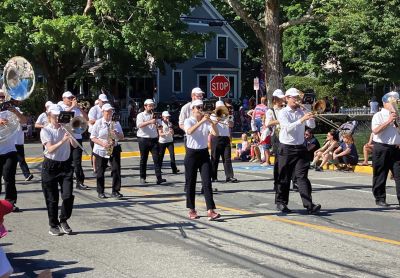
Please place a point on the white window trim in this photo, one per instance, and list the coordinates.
(173, 81)
(205, 53)
(227, 47)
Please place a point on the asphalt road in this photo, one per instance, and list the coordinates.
(148, 233)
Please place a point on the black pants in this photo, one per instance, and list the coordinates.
(385, 158)
(147, 145)
(275, 144)
(198, 160)
(57, 174)
(171, 149)
(293, 160)
(221, 147)
(8, 169)
(101, 165)
(76, 156)
(21, 160)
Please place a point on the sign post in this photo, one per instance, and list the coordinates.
(256, 85)
(220, 86)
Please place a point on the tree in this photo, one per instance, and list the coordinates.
(56, 35)
(267, 21)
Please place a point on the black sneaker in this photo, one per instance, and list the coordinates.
(143, 181)
(81, 186)
(176, 171)
(314, 209)
(102, 196)
(117, 195)
(283, 208)
(66, 228)
(55, 231)
(16, 209)
(160, 181)
(30, 177)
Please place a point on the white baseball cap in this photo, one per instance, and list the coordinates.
(103, 97)
(278, 93)
(219, 103)
(67, 94)
(165, 114)
(148, 101)
(48, 103)
(197, 102)
(106, 107)
(197, 91)
(55, 109)
(292, 92)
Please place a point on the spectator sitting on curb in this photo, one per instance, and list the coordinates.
(254, 150)
(367, 149)
(325, 152)
(346, 155)
(243, 149)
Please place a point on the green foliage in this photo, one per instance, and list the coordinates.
(55, 35)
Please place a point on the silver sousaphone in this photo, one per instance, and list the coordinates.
(18, 84)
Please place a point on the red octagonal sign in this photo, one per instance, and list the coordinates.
(220, 86)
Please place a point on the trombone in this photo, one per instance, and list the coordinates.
(77, 125)
(317, 108)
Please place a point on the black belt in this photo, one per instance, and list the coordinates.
(293, 146)
(385, 145)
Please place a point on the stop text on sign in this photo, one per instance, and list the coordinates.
(220, 86)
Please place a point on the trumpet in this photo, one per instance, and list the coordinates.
(110, 138)
(84, 104)
(317, 108)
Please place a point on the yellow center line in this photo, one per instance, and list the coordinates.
(283, 220)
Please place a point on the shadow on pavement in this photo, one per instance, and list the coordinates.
(26, 267)
(167, 226)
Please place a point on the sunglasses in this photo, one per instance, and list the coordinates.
(2, 96)
(198, 107)
(70, 97)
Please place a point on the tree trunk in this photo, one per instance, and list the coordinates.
(272, 59)
(55, 88)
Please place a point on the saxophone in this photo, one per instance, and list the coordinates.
(110, 138)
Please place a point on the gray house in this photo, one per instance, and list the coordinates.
(221, 55)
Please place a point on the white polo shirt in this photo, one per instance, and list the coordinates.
(8, 145)
(149, 131)
(389, 135)
(77, 113)
(165, 129)
(52, 135)
(292, 130)
(269, 116)
(42, 119)
(199, 138)
(100, 131)
(186, 113)
(95, 113)
(223, 127)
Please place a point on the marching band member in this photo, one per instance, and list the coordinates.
(95, 114)
(8, 155)
(166, 140)
(42, 119)
(69, 103)
(186, 111)
(271, 122)
(292, 154)
(19, 145)
(197, 158)
(386, 152)
(147, 135)
(221, 147)
(105, 134)
(57, 171)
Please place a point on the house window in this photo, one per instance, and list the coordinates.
(177, 81)
(202, 82)
(202, 53)
(222, 47)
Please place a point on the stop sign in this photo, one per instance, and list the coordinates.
(220, 86)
